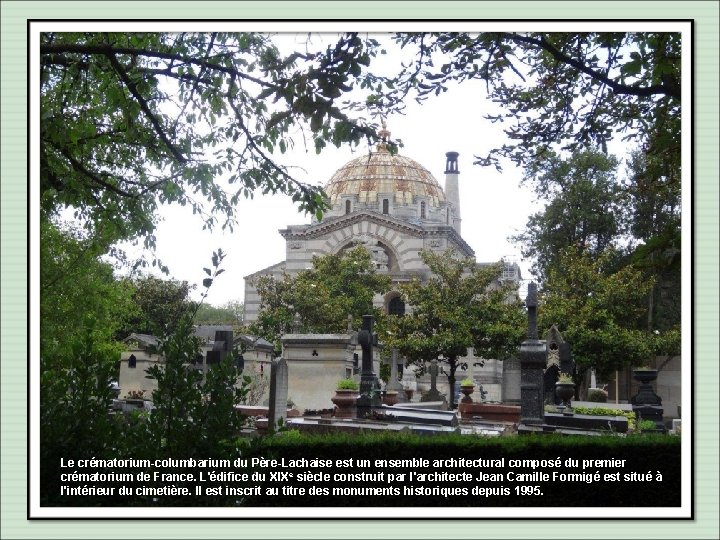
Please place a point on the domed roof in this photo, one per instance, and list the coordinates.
(381, 172)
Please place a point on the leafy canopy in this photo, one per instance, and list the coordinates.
(602, 314)
(461, 305)
(319, 300)
(562, 91)
(131, 121)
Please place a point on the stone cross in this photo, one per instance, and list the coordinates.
(369, 397)
(533, 358)
(433, 394)
(278, 392)
(433, 375)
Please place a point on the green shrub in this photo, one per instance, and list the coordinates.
(644, 425)
(564, 378)
(606, 411)
(467, 382)
(347, 384)
(597, 395)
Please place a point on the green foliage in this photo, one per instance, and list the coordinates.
(565, 378)
(130, 122)
(597, 395)
(160, 304)
(194, 412)
(646, 425)
(467, 382)
(601, 313)
(347, 384)
(606, 411)
(558, 90)
(583, 208)
(229, 313)
(319, 300)
(461, 305)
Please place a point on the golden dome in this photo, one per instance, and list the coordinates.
(382, 173)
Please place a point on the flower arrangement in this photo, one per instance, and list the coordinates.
(467, 382)
(565, 378)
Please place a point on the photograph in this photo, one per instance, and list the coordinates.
(437, 272)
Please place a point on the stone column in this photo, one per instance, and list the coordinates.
(278, 392)
(532, 364)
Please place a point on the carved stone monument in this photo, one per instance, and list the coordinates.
(433, 394)
(559, 360)
(532, 363)
(278, 392)
(369, 397)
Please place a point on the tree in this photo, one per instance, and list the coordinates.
(159, 305)
(559, 90)
(320, 299)
(133, 121)
(461, 305)
(583, 208)
(653, 197)
(81, 307)
(229, 313)
(601, 312)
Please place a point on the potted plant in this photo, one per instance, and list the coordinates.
(346, 394)
(565, 388)
(467, 387)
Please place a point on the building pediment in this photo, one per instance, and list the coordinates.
(417, 230)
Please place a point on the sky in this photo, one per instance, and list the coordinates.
(493, 205)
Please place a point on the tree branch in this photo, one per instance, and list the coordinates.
(145, 108)
(664, 89)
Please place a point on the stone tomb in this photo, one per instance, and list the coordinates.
(315, 364)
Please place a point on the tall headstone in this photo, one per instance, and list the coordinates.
(369, 397)
(394, 383)
(532, 363)
(278, 392)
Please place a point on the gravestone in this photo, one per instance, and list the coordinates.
(393, 384)
(369, 397)
(433, 394)
(532, 363)
(278, 392)
(221, 347)
(559, 360)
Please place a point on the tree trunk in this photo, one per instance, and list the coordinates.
(452, 363)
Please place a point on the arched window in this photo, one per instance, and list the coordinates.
(386, 206)
(132, 361)
(396, 306)
(347, 207)
(422, 210)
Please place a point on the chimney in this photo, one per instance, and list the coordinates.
(452, 189)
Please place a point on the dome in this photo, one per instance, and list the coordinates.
(368, 177)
